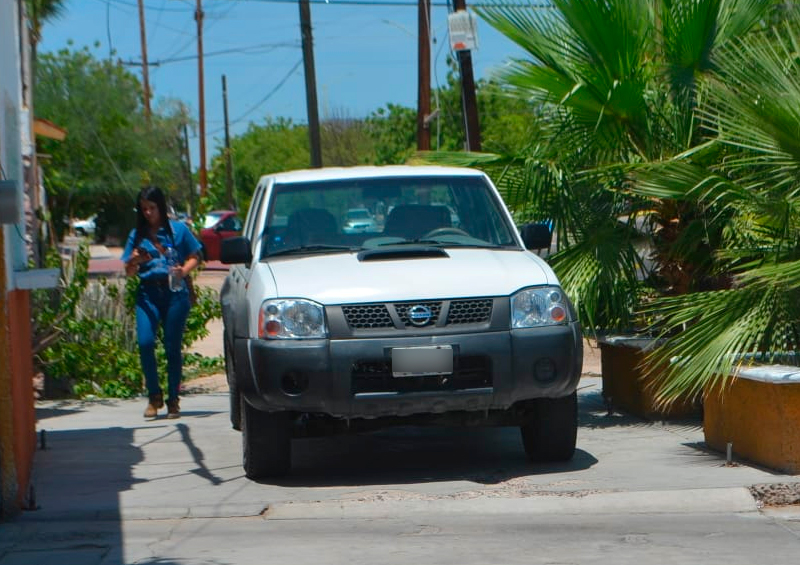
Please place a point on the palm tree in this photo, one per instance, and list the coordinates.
(40, 12)
(629, 91)
(618, 82)
(746, 177)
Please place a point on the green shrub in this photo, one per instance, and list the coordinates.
(85, 332)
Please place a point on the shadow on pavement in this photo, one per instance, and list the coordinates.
(702, 453)
(72, 485)
(406, 455)
(75, 470)
(68, 408)
(593, 413)
(197, 456)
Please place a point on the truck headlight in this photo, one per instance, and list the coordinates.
(539, 306)
(291, 319)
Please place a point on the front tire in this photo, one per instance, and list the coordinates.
(550, 429)
(233, 389)
(266, 442)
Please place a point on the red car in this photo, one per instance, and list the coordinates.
(218, 225)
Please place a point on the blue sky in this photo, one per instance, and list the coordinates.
(365, 54)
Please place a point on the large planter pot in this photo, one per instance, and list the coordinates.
(624, 386)
(758, 414)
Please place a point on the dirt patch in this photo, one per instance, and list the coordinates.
(776, 494)
(200, 385)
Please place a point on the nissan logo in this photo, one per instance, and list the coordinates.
(419, 315)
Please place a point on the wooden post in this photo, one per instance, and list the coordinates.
(145, 70)
(469, 101)
(311, 84)
(423, 75)
(201, 101)
(228, 163)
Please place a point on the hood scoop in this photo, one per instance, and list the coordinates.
(404, 252)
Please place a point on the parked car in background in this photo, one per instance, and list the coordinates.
(218, 225)
(84, 227)
(359, 220)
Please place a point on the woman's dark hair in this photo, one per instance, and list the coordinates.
(155, 195)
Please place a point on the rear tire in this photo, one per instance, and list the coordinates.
(550, 429)
(266, 442)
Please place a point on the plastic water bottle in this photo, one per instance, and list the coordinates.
(171, 255)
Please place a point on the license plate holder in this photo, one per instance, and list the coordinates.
(422, 361)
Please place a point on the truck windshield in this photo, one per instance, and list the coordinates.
(366, 213)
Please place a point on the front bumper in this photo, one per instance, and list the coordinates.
(352, 378)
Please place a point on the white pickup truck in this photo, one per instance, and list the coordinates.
(438, 314)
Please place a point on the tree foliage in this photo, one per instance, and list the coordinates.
(668, 126)
(386, 136)
(110, 148)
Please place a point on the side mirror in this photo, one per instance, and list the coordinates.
(235, 250)
(536, 235)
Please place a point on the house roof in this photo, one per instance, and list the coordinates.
(48, 129)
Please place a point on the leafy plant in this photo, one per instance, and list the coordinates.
(753, 191)
(667, 157)
(85, 332)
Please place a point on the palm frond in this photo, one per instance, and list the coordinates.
(715, 334)
(754, 108)
(599, 272)
(588, 56)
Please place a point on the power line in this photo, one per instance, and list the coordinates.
(150, 8)
(267, 97)
(259, 49)
(395, 3)
(191, 41)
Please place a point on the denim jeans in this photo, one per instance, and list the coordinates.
(158, 305)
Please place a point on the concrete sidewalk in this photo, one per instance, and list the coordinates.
(102, 471)
(101, 460)
(117, 465)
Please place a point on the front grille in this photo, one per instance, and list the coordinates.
(375, 376)
(364, 316)
(470, 311)
(403, 308)
(387, 315)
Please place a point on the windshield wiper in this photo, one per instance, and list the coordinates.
(312, 249)
(411, 242)
(476, 245)
(440, 243)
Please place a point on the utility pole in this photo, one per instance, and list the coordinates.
(311, 84)
(228, 164)
(145, 70)
(423, 75)
(198, 16)
(469, 101)
(188, 158)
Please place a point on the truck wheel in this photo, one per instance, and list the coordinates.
(551, 428)
(266, 442)
(233, 390)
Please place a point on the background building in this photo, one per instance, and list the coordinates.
(17, 154)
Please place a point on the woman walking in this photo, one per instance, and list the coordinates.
(157, 301)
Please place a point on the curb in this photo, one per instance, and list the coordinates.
(689, 501)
